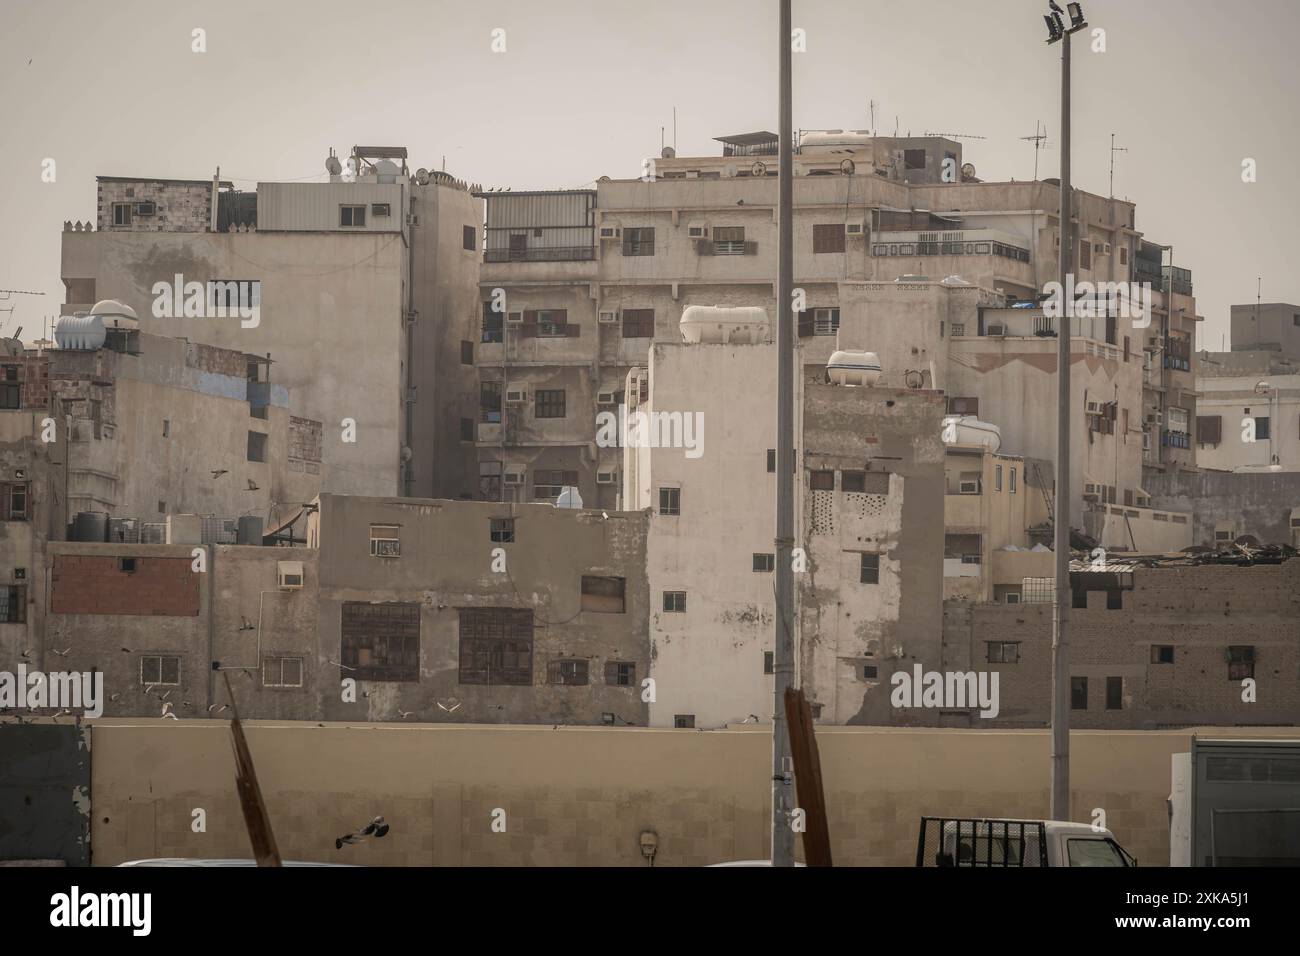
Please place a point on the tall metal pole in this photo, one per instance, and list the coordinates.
(1060, 807)
(783, 662)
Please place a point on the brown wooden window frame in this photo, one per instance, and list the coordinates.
(828, 237)
(638, 323)
(620, 673)
(380, 641)
(495, 646)
(550, 403)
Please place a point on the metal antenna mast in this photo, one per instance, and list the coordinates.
(1113, 150)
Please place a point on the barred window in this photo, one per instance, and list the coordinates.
(496, 646)
(381, 642)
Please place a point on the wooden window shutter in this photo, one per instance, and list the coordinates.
(807, 325)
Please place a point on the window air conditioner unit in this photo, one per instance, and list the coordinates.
(289, 575)
(514, 477)
(604, 398)
(515, 318)
(606, 477)
(854, 229)
(610, 232)
(608, 318)
(1091, 491)
(1012, 597)
(997, 330)
(971, 487)
(1105, 249)
(697, 232)
(412, 219)
(1094, 408)
(516, 396)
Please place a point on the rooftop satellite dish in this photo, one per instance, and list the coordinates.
(847, 167)
(668, 153)
(758, 169)
(333, 166)
(422, 176)
(967, 170)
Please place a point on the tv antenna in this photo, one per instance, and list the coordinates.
(1038, 139)
(1113, 150)
(871, 105)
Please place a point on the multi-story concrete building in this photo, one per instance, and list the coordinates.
(364, 289)
(578, 285)
(869, 528)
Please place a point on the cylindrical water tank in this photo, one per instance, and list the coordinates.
(849, 367)
(723, 325)
(249, 530)
(83, 332)
(90, 526)
(969, 430)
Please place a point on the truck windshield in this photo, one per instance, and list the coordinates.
(1093, 852)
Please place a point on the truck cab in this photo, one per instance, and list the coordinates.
(947, 841)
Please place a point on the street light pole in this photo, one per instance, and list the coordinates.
(783, 656)
(1060, 798)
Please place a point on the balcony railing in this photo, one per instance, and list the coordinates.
(1172, 439)
(541, 254)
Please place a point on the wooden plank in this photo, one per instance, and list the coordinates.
(808, 778)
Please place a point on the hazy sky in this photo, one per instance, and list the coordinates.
(1190, 87)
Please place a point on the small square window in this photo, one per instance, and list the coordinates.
(670, 501)
(853, 481)
(603, 594)
(764, 562)
(683, 721)
(469, 238)
(256, 446)
(821, 480)
(502, 530)
(1003, 652)
(1162, 653)
(385, 541)
(675, 602)
(869, 671)
(126, 565)
(352, 215)
(568, 673)
(620, 673)
(870, 570)
(1241, 662)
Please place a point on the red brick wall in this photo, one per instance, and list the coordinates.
(93, 584)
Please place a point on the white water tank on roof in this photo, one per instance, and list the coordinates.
(82, 332)
(969, 430)
(849, 367)
(569, 498)
(115, 315)
(719, 325)
(835, 137)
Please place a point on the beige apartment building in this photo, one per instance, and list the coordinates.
(899, 249)
(364, 289)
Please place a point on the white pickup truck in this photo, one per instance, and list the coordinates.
(949, 841)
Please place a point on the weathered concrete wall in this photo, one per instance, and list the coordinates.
(45, 793)
(179, 206)
(1198, 611)
(845, 624)
(446, 564)
(1258, 504)
(330, 319)
(582, 796)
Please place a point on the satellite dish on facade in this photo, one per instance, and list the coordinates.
(668, 153)
(967, 170)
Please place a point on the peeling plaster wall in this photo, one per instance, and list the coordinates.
(845, 624)
(45, 793)
(446, 564)
(1258, 504)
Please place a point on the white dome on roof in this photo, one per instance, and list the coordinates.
(115, 314)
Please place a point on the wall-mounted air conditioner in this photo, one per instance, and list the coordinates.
(1094, 408)
(516, 395)
(697, 232)
(412, 219)
(608, 318)
(515, 318)
(604, 398)
(854, 230)
(970, 487)
(289, 575)
(997, 330)
(606, 477)
(1091, 491)
(610, 232)
(1105, 248)
(1011, 597)
(513, 477)
(145, 209)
